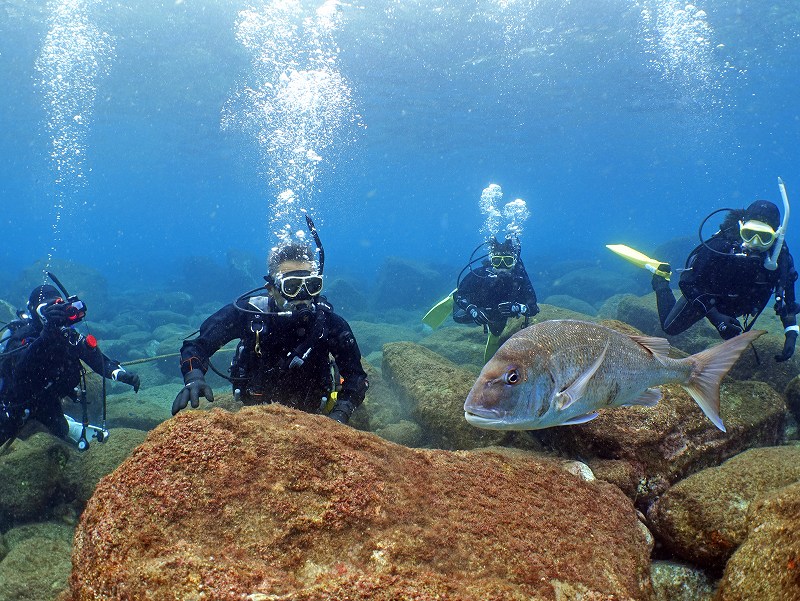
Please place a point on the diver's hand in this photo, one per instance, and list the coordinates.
(129, 378)
(727, 326)
(195, 388)
(788, 347)
(477, 315)
(342, 411)
(508, 309)
(54, 315)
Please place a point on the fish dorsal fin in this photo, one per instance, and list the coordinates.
(658, 346)
(576, 390)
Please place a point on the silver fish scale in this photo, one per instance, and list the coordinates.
(569, 348)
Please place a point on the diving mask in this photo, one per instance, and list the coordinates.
(503, 261)
(757, 234)
(292, 286)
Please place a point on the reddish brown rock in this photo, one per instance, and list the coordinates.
(434, 389)
(270, 503)
(766, 566)
(702, 518)
(666, 443)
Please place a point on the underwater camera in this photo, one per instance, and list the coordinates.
(76, 309)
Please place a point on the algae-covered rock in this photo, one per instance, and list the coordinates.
(434, 389)
(761, 365)
(275, 503)
(372, 336)
(766, 566)
(793, 397)
(36, 569)
(33, 475)
(703, 518)
(462, 344)
(404, 432)
(666, 443)
(565, 301)
(99, 460)
(678, 582)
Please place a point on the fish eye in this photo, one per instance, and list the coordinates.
(511, 377)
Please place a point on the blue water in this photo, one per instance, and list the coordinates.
(611, 128)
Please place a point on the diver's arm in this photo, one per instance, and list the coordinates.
(345, 351)
(94, 358)
(217, 330)
(529, 295)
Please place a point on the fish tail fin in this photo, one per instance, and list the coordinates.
(710, 366)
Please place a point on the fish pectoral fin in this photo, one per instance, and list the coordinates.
(649, 398)
(581, 419)
(577, 389)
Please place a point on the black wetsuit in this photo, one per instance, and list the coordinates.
(493, 293)
(39, 368)
(734, 283)
(282, 359)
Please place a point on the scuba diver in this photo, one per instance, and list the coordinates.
(489, 294)
(287, 336)
(729, 278)
(42, 362)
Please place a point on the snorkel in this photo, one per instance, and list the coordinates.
(771, 261)
(312, 228)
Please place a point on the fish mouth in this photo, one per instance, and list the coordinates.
(487, 419)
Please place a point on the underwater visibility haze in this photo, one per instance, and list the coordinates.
(154, 152)
(616, 120)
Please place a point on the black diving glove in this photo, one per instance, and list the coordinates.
(788, 347)
(195, 388)
(54, 316)
(342, 411)
(129, 378)
(727, 326)
(477, 315)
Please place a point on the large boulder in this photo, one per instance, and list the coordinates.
(32, 473)
(666, 443)
(47, 477)
(372, 336)
(703, 518)
(433, 391)
(271, 503)
(793, 397)
(677, 582)
(766, 566)
(35, 569)
(759, 363)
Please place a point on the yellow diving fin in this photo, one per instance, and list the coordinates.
(640, 260)
(492, 344)
(439, 312)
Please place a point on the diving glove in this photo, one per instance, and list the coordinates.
(727, 326)
(195, 388)
(477, 315)
(517, 309)
(788, 347)
(54, 315)
(342, 411)
(131, 379)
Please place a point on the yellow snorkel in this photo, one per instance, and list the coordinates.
(771, 261)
